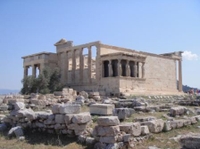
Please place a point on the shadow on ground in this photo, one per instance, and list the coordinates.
(34, 138)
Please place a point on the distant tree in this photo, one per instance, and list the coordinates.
(54, 81)
(29, 85)
(47, 82)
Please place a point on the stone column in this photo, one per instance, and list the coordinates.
(139, 70)
(90, 64)
(180, 75)
(73, 65)
(110, 72)
(25, 71)
(81, 65)
(128, 69)
(135, 69)
(33, 70)
(67, 66)
(143, 70)
(119, 67)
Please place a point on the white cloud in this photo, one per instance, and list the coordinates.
(188, 55)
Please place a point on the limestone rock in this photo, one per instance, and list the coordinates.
(84, 94)
(123, 113)
(101, 109)
(28, 113)
(4, 107)
(56, 108)
(17, 131)
(144, 130)
(112, 139)
(155, 126)
(80, 98)
(77, 126)
(59, 119)
(81, 118)
(131, 128)
(108, 121)
(193, 120)
(90, 140)
(42, 115)
(107, 131)
(144, 119)
(19, 105)
(177, 111)
(68, 118)
(69, 109)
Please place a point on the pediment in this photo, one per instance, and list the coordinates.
(60, 42)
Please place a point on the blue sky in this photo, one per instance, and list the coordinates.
(155, 26)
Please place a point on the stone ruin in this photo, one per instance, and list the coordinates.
(61, 113)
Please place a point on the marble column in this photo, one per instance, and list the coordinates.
(127, 69)
(81, 65)
(180, 75)
(119, 67)
(67, 66)
(73, 65)
(90, 64)
(25, 71)
(143, 70)
(110, 69)
(135, 69)
(34, 71)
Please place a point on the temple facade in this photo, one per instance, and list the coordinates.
(109, 69)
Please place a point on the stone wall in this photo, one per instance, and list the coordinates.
(63, 119)
(160, 74)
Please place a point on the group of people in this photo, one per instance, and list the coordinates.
(193, 91)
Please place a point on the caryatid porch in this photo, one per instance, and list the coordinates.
(125, 65)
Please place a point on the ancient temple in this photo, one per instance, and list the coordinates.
(109, 69)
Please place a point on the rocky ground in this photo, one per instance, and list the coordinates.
(69, 119)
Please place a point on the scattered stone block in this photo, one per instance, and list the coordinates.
(70, 109)
(123, 113)
(77, 126)
(4, 107)
(81, 118)
(145, 119)
(144, 130)
(111, 139)
(108, 121)
(68, 118)
(127, 137)
(197, 118)
(101, 109)
(90, 140)
(178, 111)
(59, 118)
(131, 128)
(107, 131)
(56, 108)
(155, 126)
(19, 105)
(17, 131)
(193, 120)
